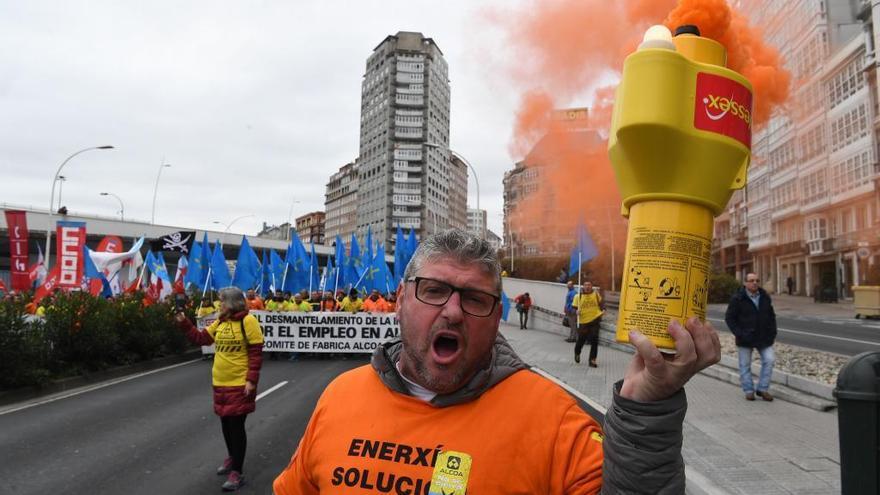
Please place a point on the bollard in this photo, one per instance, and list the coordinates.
(858, 416)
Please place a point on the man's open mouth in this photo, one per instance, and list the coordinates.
(446, 347)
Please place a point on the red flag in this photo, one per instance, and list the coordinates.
(110, 244)
(16, 225)
(71, 239)
(182, 266)
(48, 285)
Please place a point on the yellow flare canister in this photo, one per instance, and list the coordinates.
(680, 145)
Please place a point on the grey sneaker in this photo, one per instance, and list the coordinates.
(750, 396)
(233, 482)
(225, 467)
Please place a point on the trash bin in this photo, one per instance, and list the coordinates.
(866, 300)
(858, 416)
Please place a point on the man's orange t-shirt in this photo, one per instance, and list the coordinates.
(255, 304)
(377, 306)
(524, 435)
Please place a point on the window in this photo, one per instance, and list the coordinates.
(852, 172)
(812, 143)
(813, 187)
(816, 229)
(845, 82)
(849, 127)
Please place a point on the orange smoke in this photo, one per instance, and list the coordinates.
(568, 53)
(746, 51)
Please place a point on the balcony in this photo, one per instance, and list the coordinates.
(414, 123)
(406, 167)
(410, 100)
(407, 180)
(408, 132)
(795, 247)
(821, 246)
(412, 155)
(411, 67)
(418, 90)
(409, 78)
(409, 222)
(405, 213)
(408, 200)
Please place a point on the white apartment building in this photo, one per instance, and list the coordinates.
(406, 177)
(476, 222)
(811, 200)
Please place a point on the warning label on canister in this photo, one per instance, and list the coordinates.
(665, 276)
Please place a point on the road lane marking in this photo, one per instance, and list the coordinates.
(816, 335)
(276, 387)
(90, 388)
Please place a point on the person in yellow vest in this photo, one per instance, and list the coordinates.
(238, 341)
(205, 308)
(590, 306)
(299, 304)
(352, 303)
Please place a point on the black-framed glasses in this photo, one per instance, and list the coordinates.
(436, 293)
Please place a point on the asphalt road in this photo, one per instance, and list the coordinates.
(847, 336)
(157, 433)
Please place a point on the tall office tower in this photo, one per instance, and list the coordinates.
(811, 194)
(341, 204)
(405, 176)
(476, 222)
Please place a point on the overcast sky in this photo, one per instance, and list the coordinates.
(253, 103)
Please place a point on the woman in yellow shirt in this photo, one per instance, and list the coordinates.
(238, 347)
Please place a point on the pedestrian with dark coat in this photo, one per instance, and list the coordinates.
(571, 314)
(752, 320)
(238, 347)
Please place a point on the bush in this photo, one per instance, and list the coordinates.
(24, 349)
(80, 334)
(722, 286)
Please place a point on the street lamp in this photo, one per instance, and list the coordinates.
(121, 206)
(61, 180)
(229, 226)
(156, 188)
(52, 194)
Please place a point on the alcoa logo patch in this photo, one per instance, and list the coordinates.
(723, 106)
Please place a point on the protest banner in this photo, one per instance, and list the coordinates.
(71, 236)
(320, 331)
(16, 225)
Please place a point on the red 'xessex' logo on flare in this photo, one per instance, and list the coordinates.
(723, 106)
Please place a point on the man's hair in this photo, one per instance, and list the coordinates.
(462, 247)
(233, 298)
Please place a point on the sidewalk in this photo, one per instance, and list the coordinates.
(786, 305)
(730, 445)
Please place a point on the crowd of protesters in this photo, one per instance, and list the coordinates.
(284, 301)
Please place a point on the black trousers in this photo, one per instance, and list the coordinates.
(588, 332)
(236, 439)
(523, 319)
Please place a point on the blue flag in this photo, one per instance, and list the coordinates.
(400, 256)
(339, 279)
(354, 267)
(206, 260)
(156, 265)
(584, 250)
(277, 271)
(194, 270)
(329, 278)
(411, 244)
(247, 268)
(314, 271)
(265, 276)
(505, 306)
(219, 270)
(383, 280)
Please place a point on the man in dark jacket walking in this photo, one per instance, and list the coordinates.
(752, 320)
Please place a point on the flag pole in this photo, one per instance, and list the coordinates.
(207, 282)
